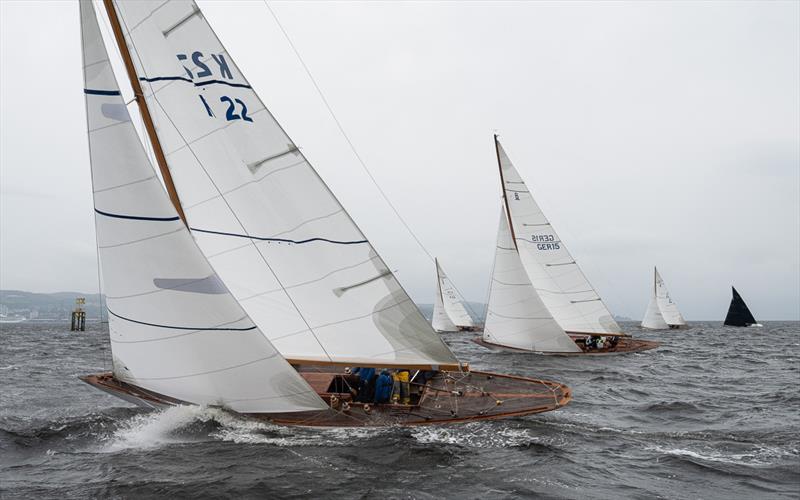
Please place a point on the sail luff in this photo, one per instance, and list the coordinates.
(138, 94)
(503, 190)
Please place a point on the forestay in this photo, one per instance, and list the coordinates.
(516, 316)
(448, 310)
(668, 308)
(174, 327)
(268, 224)
(563, 287)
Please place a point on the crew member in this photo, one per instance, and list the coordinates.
(383, 387)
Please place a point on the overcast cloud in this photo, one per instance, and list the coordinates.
(650, 133)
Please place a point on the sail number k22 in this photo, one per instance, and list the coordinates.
(236, 109)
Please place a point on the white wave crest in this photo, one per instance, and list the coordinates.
(477, 435)
(172, 425)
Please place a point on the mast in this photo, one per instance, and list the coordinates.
(655, 281)
(145, 111)
(438, 279)
(503, 187)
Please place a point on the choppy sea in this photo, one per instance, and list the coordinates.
(713, 413)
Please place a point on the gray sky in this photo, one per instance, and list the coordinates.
(650, 133)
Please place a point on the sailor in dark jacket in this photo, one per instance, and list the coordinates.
(383, 387)
(366, 384)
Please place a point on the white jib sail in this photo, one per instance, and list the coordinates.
(516, 316)
(668, 308)
(652, 317)
(174, 327)
(448, 309)
(561, 284)
(268, 224)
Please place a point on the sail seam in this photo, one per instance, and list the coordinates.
(125, 243)
(187, 144)
(172, 327)
(138, 217)
(510, 284)
(519, 317)
(101, 92)
(189, 80)
(123, 185)
(215, 371)
(280, 240)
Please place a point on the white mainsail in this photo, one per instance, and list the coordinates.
(668, 308)
(270, 227)
(516, 316)
(175, 328)
(560, 283)
(449, 313)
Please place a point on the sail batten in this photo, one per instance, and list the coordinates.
(548, 264)
(307, 275)
(174, 328)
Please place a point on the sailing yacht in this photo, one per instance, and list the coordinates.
(662, 313)
(540, 300)
(738, 312)
(449, 313)
(246, 285)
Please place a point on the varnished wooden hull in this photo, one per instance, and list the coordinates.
(449, 397)
(626, 345)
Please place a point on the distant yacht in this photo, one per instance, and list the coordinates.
(662, 313)
(449, 314)
(738, 313)
(539, 300)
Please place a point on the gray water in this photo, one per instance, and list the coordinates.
(713, 413)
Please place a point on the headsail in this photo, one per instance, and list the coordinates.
(175, 328)
(738, 312)
(652, 317)
(668, 308)
(561, 284)
(268, 224)
(449, 313)
(516, 316)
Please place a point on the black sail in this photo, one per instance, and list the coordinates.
(738, 313)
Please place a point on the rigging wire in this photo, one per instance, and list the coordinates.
(356, 154)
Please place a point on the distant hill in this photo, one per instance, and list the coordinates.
(57, 306)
